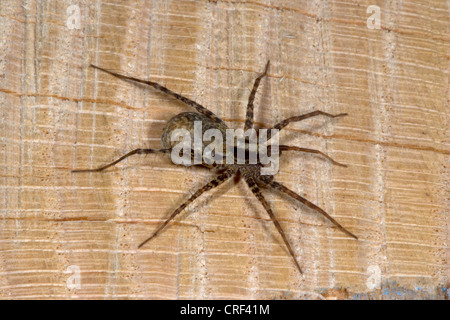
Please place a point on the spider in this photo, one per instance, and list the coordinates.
(251, 173)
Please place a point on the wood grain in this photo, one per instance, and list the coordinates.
(58, 114)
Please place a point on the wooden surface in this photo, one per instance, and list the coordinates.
(58, 114)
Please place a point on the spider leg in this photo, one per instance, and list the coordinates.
(280, 125)
(257, 192)
(293, 148)
(135, 151)
(251, 99)
(278, 186)
(210, 185)
(169, 92)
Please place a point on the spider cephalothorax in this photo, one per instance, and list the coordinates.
(250, 173)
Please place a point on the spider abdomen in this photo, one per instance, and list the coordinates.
(195, 125)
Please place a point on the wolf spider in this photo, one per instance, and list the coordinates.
(250, 172)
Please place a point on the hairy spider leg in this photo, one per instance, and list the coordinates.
(135, 151)
(201, 109)
(285, 122)
(293, 148)
(278, 186)
(257, 192)
(251, 99)
(210, 185)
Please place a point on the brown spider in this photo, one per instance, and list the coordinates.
(250, 172)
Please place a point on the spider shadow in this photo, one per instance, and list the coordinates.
(312, 130)
(202, 202)
(162, 95)
(313, 216)
(262, 218)
(294, 135)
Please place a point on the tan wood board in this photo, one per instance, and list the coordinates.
(58, 114)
